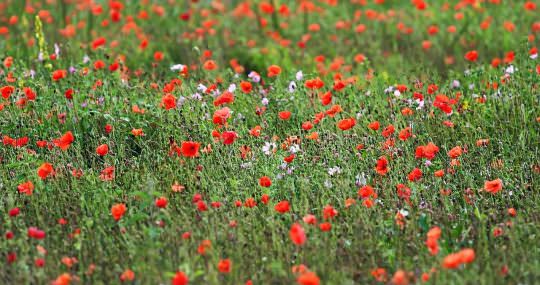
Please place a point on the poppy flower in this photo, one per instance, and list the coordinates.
(168, 101)
(374, 125)
(265, 181)
(127, 275)
(415, 174)
(117, 211)
(282, 207)
(35, 233)
(452, 261)
(308, 278)
(45, 170)
(455, 152)
(14, 212)
(59, 74)
(228, 137)
(346, 124)
(400, 278)
(382, 166)
(388, 131)
(220, 116)
(190, 148)
(225, 98)
(274, 71)
(471, 55)
(366, 192)
(297, 234)
(493, 186)
(210, 65)
(64, 141)
(325, 227)
(102, 150)
(27, 188)
(107, 174)
(158, 56)
(428, 151)
(284, 115)
(7, 91)
(180, 278)
(161, 202)
(98, 42)
(225, 266)
(246, 87)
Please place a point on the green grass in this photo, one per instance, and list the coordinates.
(149, 240)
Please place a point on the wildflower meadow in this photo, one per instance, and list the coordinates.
(269, 142)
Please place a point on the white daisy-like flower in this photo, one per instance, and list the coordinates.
(292, 87)
(361, 179)
(334, 170)
(268, 148)
(177, 67)
(294, 148)
(299, 75)
(510, 70)
(404, 212)
(196, 96)
(201, 88)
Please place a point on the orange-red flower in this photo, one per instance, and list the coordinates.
(493, 186)
(45, 170)
(225, 266)
(64, 141)
(190, 148)
(297, 234)
(27, 188)
(180, 278)
(274, 70)
(346, 124)
(102, 150)
(117, 211)
(308, 278)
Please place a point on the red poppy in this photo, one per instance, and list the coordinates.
(102, 150)
(27, 188)
(493, 186)
(168, 101)
(180, 278)
(161, 202)
(225, 266)
(225, 98)
(346, 124)
(64, 141)
(308, 278)
(59, 74)
(265, 181)
(282, 207)
(284, 115)
(228, 137)
(274, 70)
(246, 87)
(190, 148)
(117, 211)
(471, 55)
(45, 170)
(382, 166)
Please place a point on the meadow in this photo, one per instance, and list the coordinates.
(269, 142)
